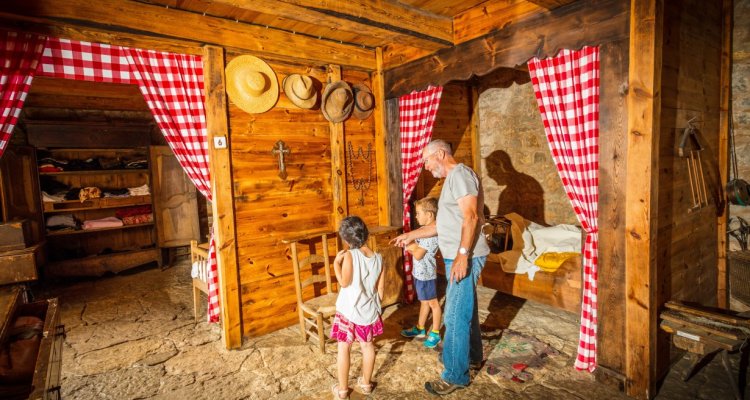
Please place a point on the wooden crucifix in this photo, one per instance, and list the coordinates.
(280, 150)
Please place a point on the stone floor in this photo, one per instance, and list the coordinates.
(133, 337)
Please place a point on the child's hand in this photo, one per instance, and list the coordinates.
(339, 257)
(411, 247)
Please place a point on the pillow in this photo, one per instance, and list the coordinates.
(550, 262)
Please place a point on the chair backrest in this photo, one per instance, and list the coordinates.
(199, 252)
(310, 261)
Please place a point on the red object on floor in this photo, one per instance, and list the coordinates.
(520, 366)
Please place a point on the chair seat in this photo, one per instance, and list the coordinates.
(325, 304)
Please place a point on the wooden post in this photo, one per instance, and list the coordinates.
(223, 198)
(641, 183)
(381, 137)
(476, 150)
(338, 158)
(722, 278)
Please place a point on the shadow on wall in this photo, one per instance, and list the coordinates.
(522, 193)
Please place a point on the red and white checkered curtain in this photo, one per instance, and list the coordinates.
(19, 55)
(417, 112)
(172, 85)
(567, 92)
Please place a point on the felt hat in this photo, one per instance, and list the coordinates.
(300, 90)
(337, 101)
(364, 102)
(252, 84)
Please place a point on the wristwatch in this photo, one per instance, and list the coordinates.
(462, 251)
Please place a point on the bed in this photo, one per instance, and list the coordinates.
(560, 289)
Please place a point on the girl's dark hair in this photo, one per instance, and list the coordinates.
(354, 231)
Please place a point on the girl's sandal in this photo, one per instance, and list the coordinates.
(337, 393)
(366, 389)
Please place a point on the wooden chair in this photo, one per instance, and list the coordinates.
(199, 253)
(314, 313)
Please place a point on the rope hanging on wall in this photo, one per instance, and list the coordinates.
(361, 184)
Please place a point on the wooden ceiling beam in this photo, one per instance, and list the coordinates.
(310, 12)
(387, 14)
(550, 4)
(172, 24)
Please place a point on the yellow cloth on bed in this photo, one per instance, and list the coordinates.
(550, 262)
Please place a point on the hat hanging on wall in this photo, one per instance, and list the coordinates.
(251, 84)
(364, 101)
(300, 90)
(337, 101)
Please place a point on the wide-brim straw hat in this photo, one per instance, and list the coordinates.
(300, 89)
(337, 101)
(364, 101)
(251, 84)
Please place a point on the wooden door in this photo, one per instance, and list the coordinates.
(174, 199)
(19, 188)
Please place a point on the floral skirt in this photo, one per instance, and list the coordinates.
(346, 331)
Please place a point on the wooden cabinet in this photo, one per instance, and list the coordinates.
(45, 381)
(19, 192)
(393, 262)
(94, 252)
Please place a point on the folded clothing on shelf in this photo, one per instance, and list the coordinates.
(53, 198)
(61, 221)
(138, 219)
(131, 211)
(90, 192)
(139, 191)
(108, 222)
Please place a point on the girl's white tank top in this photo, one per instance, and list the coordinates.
(359, 302)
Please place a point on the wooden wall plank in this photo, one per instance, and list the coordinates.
(395, 54)
(338, 158)
(381, 143)
(641, 185)
(722, 280)
(613, 117)
(577, 24)
(222, 204)
(131, 16)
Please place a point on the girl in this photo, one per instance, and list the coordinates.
(358, 271)
(425, 277)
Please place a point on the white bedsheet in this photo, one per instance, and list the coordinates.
(538, 240)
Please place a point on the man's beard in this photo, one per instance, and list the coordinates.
(438, 172)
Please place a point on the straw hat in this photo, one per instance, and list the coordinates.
(300, 90)
(364, 102)
(252, 84)
(337, 101)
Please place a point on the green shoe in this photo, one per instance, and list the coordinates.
(432, 340)
(413, 332)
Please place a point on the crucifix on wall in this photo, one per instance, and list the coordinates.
(280, 149)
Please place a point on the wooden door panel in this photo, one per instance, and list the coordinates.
(21, 198)
(175, 200)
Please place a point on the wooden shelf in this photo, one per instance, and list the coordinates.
(98, 172)
(95, 204)
(84, 231)
(98, 265)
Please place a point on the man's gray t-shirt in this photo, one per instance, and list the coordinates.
(460, 182)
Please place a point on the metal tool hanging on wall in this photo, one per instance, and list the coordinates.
(690, 149)
(738, 190)
(279, 149)
(361, 184)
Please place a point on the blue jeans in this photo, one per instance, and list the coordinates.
(463, 340)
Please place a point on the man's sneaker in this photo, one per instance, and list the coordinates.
(432, 340)
(413, 332)
(440, 387)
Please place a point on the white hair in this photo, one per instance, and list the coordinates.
(439, 144)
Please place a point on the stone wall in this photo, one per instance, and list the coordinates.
(517, 169)
(741, 97)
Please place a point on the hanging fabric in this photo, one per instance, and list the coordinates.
(19, 55)
(172, 85)
(417, 112)
(567, 92)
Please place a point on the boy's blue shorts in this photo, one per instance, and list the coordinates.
(426, 290)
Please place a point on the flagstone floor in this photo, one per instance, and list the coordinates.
(133, 337)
